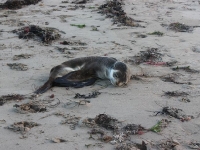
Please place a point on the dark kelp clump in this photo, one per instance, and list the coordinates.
(22, 56)
(150, 55)
(176, 113)
(113, 9)
(46, 35)
(106, 121)
(79, 2)
(175, 94)
(179, 27)
(17, 4)
(90, 95)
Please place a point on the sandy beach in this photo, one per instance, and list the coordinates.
(172, 65)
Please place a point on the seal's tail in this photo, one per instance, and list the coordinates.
(44, 88)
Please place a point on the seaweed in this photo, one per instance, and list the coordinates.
(179, 27)
(11, 97)
(77, 43)
(80, 2)
(18, 66)
(103, 136)
(91, 95)
(176, 113)
(158, 33)
(158, 127)
(133, 129)
(17, 4)
(150, 55)
(175, 94)
(168, 144)
(31, 107)
(72, 120)
(186, 69)
(45, 34)
(113, 9)
(22, 127)
(78, 25)
(105, 121)
(172, 78)
(21, 56)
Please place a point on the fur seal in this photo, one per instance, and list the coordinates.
(87, 69)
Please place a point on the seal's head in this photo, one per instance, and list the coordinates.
(119, 74)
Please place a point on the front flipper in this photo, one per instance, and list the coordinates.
(87, 82)
(74, 79)
(44, 88)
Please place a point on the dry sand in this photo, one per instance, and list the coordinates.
(132, 104)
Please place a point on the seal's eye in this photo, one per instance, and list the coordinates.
(115, 75)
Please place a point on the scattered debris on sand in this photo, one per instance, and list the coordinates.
(11, 97)
(115, 132)
(72, 120)
(113, 9)
(160, 126)
(66, 50)
(175, 94)
(194, 145)
(18, 66)
(172, 78)
(131, 146)
(171, 63)
(21, 56)
(17, 4)
(179, 27)
(58, 140)
(176, 113)
(103, 135)
(76, 103)
(90, 95)
(135, 77)
(22, 127)
(158, 33)
(133, 129)
(185, 100)
(69, 119)
(169, 144)
(186, 69)
(150, 55)
(195, 49)
(32, 107)
(44, 34)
